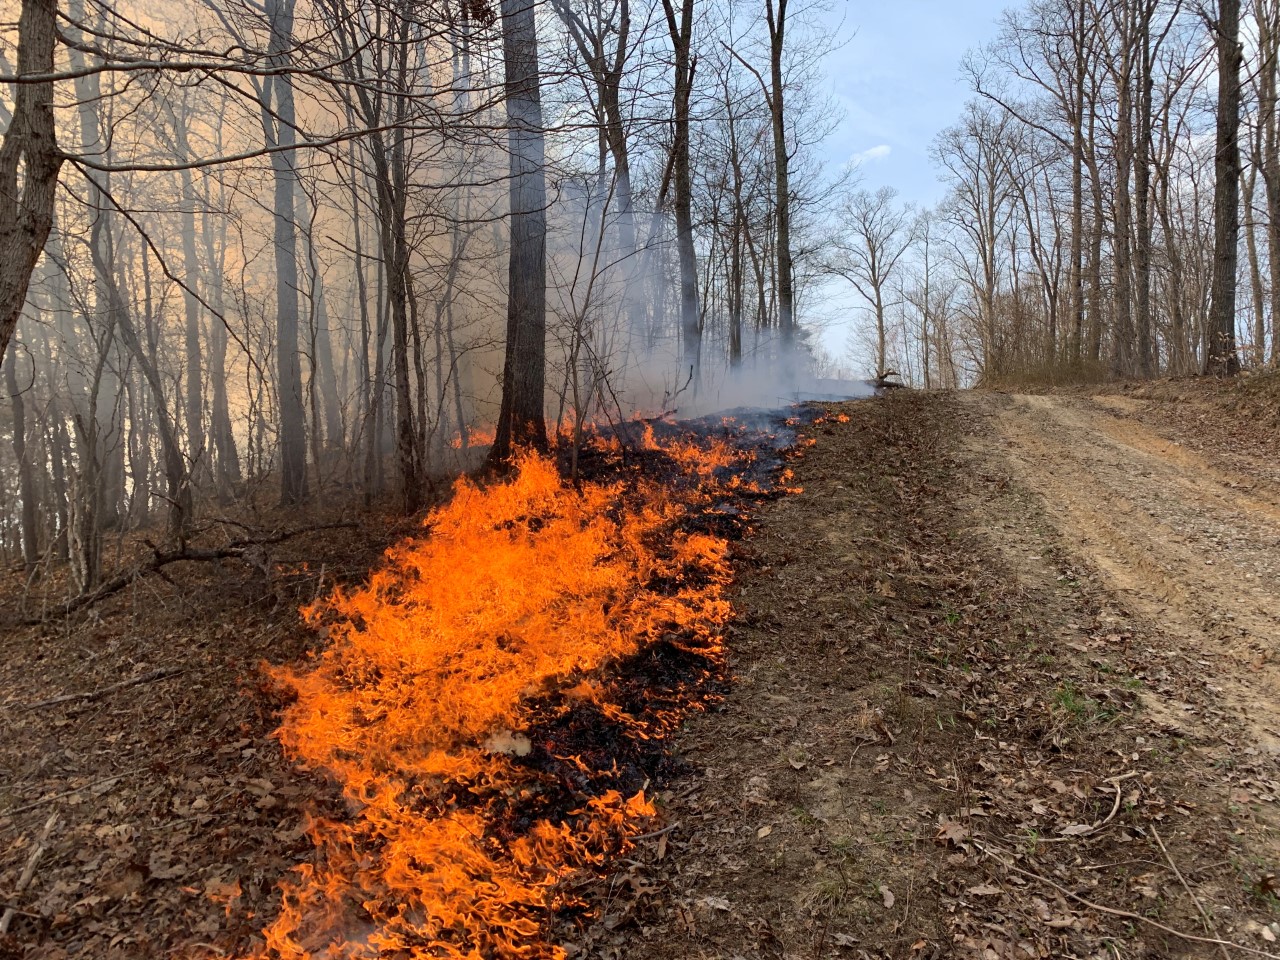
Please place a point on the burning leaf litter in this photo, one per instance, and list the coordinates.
(490, 701)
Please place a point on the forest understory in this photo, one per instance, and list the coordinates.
(1004, 685)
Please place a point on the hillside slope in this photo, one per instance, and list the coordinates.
(1006, 688)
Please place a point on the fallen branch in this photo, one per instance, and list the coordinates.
(28, 872)
(233, 550)
(1124, 914)
(17, 911)
(656, 833)
(1208, 924)
(68, 793)
(149, 677)
(1115, 808)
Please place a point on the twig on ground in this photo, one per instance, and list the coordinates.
(1208, 924)
(1115, 808)
(1124, 914)
(67, 793)
(17, 911)
(149, 677)
(656, 833)
(28, 872)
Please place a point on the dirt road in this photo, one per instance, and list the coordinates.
(1190, 547)
(1005, 687)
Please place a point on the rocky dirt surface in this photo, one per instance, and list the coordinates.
(1005, 688)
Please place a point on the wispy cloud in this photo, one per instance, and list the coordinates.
(878, 152)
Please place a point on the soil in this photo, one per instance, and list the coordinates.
(176, 812)
(1006, 684)
(1005, 687)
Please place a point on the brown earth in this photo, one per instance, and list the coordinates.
(164, 809)
(1007, 687)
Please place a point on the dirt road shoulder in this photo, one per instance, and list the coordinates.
(949, 735)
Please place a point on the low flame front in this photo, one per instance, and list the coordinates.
(423, 703)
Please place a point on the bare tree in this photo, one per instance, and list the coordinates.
(521, 419)
(29, 163)
(1220, 346)
(680, 29)
(877, 235)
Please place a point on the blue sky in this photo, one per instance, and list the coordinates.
(898, 82)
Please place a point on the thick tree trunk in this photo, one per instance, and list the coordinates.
(1220, 353)
(521, 420)
(29, 165)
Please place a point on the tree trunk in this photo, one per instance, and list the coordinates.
(278, 119)
(521, 420)
(177, 482)
(1077, 186)
(1144, 332)
(30, 533)
(1269, 120)
(191, 304)
(1220, 354)
(226, 457)
(681, 32)
(1248, 183)
(777, 24)
(29, 165)
(1122, 333)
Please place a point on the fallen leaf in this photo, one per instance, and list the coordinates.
(950, 832)
(1075, 829)
(984, 890)
(135, 876)
(163, 869)
(887, 895)
(763, 832)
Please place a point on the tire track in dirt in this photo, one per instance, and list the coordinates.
(1187, 547)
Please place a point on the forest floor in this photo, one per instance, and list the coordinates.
(1006, 684)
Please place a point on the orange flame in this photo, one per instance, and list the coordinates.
(476, 437)
(520, 591)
